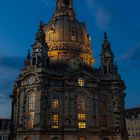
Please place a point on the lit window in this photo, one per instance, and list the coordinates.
(82, 138)
(30, 120)
(31, 108)
(55, 121)
(31, 101)
(81, 82)
(81, 117)
(81, 124)
(81, 112)
(55, 104)
(81, 103)
(73, 38)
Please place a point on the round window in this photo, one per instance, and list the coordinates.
(81, 82)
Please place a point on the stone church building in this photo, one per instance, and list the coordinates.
(59, 95)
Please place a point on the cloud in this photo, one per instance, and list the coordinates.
(44, 2)
(12, 62)
(9, 70)
(102, 16)
(131, 55)
(5, 105)
(47, 2)
(130, 59)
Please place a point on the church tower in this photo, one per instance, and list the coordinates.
(59, 95)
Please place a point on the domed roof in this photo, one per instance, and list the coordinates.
(66, 36)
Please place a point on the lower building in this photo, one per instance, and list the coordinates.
(4, 128)
(133, 123)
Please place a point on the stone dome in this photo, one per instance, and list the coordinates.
(66, 36)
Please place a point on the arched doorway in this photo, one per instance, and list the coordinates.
(28, 138)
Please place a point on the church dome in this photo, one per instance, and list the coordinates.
(66, 36)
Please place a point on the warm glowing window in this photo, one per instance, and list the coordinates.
(82, 138)
(31, 109)
(55, 104)
(81, 117)
(81, 82)
(30, 120)
(31, 102)
(82, 124)
(81, 112)
(73, 38)
(81, 103)
(55, 121)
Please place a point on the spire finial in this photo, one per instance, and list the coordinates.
(64, 7)
(105, 35)
(62, 3)
(106, 43)
(40, 37)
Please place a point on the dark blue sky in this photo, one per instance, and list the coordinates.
(19, 21)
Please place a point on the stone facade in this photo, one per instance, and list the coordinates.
(4, 128)
(133, 123)
(59, 95)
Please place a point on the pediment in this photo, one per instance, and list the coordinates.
(82, 79)
(83, 74)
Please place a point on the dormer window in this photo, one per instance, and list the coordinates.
(73, 37)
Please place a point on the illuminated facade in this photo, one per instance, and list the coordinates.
(59, 95)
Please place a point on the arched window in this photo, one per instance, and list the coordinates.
(73, 34)
(55, 102)
(31, 110)
(81, 103)
(31, 105)
(81, 108)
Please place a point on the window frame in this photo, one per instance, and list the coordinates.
(31, 106)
